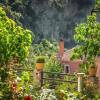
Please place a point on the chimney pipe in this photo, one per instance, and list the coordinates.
(61, 47)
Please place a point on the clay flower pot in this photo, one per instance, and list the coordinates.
(92, 71)
(40, 62)
(39, 66)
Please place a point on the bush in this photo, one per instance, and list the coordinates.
(40, 59)
(14, 40)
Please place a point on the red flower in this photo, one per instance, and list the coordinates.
(14, 84)
(27, 98)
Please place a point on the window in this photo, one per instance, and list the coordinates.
(66, 68)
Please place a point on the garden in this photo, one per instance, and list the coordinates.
(35, 71)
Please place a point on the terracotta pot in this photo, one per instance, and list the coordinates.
(92, 71)
(39, 66)
(27, 97)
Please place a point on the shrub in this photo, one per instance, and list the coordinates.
(40, 59)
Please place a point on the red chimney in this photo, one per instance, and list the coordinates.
(61, 47)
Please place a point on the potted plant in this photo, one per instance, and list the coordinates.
(92, 70)
(88, 37)
(40, 60)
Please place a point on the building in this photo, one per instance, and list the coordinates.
(72, 66)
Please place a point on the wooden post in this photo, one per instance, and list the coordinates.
(80, 81)
(37, 77)
(41, 79)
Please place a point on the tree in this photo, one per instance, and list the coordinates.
(97, 5)
(14, 46)
(14, 40)
(88, 35)
(45, 48)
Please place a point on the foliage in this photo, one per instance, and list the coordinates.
(88, 35)
(20, 2)
(5, 91)
(53, 65)
(96, 96)
(40, 59)
(5, 88)
(76, 96)
(6, 79)
(90, 88)
(30, 60)
(58, 3)
(21, 13)
(97, 5)
(67, 86)
(45, 47)
(15, 15)
(47, 94)
(23, 86)
(25, 77)
(14, 45)
(14, 40)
